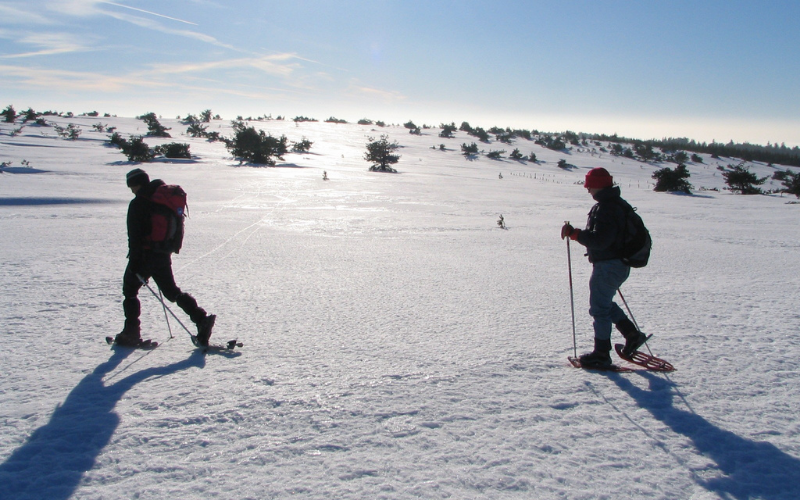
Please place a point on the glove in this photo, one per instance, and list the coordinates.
(567, 231)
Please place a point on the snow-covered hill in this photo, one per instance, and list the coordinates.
(398, 344)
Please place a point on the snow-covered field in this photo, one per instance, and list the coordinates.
(398, 343)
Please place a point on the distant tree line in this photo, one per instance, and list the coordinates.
(772, 153)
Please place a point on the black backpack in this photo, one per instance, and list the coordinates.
(636, 241)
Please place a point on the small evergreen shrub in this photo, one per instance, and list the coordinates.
(680, 157)
(116, 139)
(30, 115)
(70, 132)
(380, 153)
(740, 180)
(790, 181)
(469, 150)
(480, 134)
(504, 137)
(137, 150)
(173, 150)
(673, 181)
(552, 142)
(154, 128)
(256, 146)
(303, 146)
(197, 129)
(645, 152)
(496, 155)
(525, 134)
(9, 114)
(447, 130)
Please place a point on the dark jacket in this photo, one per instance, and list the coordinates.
(603, 236)
(139, 225)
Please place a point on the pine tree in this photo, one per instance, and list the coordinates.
(381, 154)
(740, 180)
(154, 128)
(9, 113)
(255, 146)
(791, 181)
(668, 180)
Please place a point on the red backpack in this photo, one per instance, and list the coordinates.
(168, 209)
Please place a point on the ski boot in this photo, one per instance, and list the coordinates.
(634, 339)
(204, 328)
(600, 357)
(130, 336)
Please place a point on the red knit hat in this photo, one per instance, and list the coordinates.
(598, 178)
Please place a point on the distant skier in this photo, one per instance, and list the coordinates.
(603, 239)
(147, 259)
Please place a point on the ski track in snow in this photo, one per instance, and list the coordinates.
(398, 344)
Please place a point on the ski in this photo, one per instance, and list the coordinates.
(229, 346)
(648, 361)
(576, 362)
(144, 344)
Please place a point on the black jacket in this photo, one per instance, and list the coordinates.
(603, 236)
(139, 225)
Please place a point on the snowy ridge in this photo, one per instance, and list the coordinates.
(398, 344)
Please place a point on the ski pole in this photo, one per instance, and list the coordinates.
(635, 324)
(571, 299)
(166, 318)
(144, 282)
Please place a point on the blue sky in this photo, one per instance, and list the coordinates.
(708, 70)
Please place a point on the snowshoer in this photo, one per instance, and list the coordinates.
(603, 239)
(147, 260)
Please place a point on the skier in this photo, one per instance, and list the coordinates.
(147, 262)
(603, 240)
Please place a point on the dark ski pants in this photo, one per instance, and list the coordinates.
(159, 267)
(607, 277)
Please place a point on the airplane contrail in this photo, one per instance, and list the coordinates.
(151, 13)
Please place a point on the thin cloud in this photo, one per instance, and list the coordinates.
(74, 80)
(99, 83)
(150, 13)
(155, 26)
(47, 43)
(14, 15)
(267, 64)
(48, 52)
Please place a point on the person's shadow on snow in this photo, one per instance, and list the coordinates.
(747, 469)
(52, 461)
